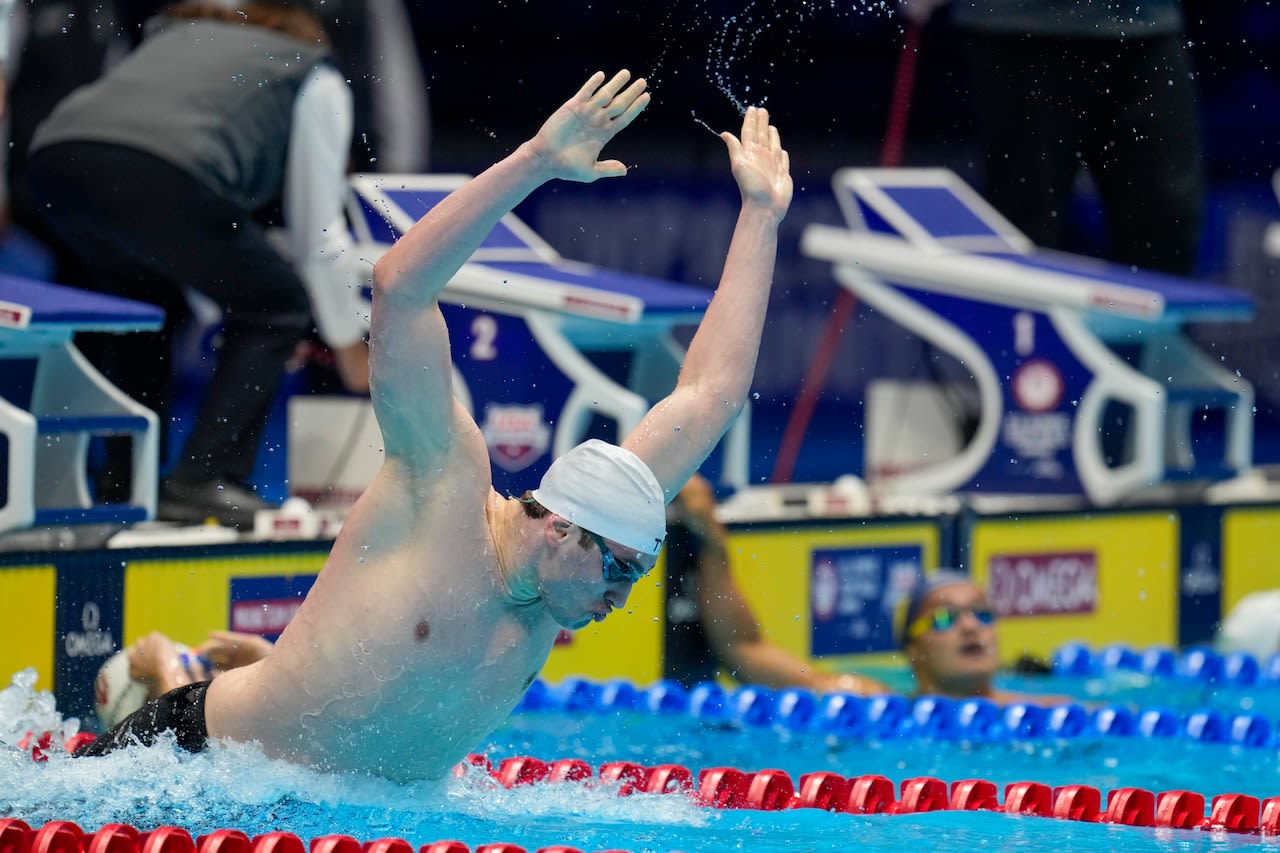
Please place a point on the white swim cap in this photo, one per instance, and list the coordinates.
(609, 491)
(115, 694)
(1252, 626)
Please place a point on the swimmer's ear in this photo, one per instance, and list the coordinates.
(557, 528)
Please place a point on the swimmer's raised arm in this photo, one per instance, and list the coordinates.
(681, 430)
(566, 147)
(409, 349)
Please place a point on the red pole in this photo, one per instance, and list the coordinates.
(842, 309)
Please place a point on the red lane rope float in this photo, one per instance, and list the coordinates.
(62, 836)
(774, 790)
(713, 787)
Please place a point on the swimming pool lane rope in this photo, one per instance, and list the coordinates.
(1194, 664)
(895, 717)
(64, 836)
(774, 790)
(713, 787)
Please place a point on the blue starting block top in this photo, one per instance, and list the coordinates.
(26, 304)
(1184, 300)
(386, 206)
(658, 296)
(939, 224)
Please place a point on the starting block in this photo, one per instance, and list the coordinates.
(53, 401)
(545, 349)
(1062, 349)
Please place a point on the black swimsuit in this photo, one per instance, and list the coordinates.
(180, 711)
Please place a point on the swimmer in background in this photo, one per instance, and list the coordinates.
(710, 626)
(441, 599)
(157, 662)
(948, 630)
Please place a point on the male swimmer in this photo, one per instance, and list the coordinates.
(441, 599)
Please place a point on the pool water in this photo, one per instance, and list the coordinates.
(236, 787)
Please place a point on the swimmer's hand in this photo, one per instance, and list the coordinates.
(760, 164)
(233, 649)
(156, 662)
(352, 362)
(570, 140)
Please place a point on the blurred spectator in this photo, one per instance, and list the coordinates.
(373, 46)
(164, 173)
(1061, 86)
(1252, 626)
(948, 631)
(710, 626)
(6, 30)
(375, 49)
(56, 46)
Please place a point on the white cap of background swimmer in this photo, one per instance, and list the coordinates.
(116, 695)
(1252, 626)
(609, 491)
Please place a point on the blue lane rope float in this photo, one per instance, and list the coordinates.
(895, 717)
(1196, 663)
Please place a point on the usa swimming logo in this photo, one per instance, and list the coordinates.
(515, 435)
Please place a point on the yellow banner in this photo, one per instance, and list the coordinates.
(188, 598)
(1134, 558)
(28, 592)
(772, 568)
(1248, 553)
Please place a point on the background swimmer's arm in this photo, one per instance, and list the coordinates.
(680, 431)
(155, 661)
(409, 358)
(234, 649)
(730, 626)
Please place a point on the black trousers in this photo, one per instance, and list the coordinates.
(1124, 109)
(146, 229)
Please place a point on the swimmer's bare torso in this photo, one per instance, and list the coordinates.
(409, 647)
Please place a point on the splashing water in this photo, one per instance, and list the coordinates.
(236, 785)
(24, 710)
(742, 32)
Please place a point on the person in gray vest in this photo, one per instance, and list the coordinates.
(164, 173)
(1061, 86)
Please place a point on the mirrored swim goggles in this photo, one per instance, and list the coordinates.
(615, 570)
(944, 618)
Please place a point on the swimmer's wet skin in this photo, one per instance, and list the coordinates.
(441, 599)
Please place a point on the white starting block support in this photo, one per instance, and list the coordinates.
(1051, 340)
(524, 324)
(1271, 237)
(52, 402)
